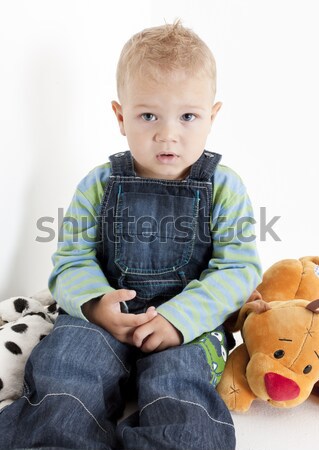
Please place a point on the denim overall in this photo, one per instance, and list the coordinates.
(155, 234)
(77, 376)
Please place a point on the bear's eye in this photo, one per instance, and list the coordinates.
(307, 369)
(279, 354)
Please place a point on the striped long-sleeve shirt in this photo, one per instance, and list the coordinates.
(232, 274)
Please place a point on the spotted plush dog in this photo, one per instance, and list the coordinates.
(24, 321)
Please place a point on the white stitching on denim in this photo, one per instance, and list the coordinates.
(26, 387)
(56, 394)
(190, 403)
(99, 332)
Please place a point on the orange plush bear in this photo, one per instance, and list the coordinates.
(279, 359)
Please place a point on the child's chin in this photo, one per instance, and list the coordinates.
(173, 175)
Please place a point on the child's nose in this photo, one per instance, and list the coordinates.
(166, 133)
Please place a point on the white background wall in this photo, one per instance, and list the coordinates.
(57, 79)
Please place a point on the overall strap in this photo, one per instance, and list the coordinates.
(122, 164)
(204, 167)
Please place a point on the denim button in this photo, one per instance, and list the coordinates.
(209, 155)
(118, 155)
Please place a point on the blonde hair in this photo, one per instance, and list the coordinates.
(162, 50)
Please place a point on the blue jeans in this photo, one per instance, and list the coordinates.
(74, 396)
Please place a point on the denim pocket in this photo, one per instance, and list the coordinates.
(148, 239)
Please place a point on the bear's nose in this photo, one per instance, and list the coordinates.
(280, 388)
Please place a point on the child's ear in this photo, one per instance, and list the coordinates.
(215, 110)
(117, 108)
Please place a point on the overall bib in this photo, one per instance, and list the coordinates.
(154, 235)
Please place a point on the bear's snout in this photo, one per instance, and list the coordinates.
(280, 388)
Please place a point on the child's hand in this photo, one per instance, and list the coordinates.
(106, 312)
(155, 335)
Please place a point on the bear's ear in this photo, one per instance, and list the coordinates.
(313, 306)
(232, 324)
(256, 306)
(255, 295)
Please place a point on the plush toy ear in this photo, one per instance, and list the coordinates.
(313, 306)
(255, 295)
(257, 306)
(231, 324)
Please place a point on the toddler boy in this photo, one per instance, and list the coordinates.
(157, 252)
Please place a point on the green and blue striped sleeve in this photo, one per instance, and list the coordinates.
(234, 270)
(77, 277)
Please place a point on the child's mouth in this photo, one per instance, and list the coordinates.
(167, 157)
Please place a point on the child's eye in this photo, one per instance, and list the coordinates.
(188, 117)
(148, 117)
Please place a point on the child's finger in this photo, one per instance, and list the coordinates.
(135, 320)
(152, 344)
(120, 295)
(141, 334)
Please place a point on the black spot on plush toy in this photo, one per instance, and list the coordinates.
(24, 321)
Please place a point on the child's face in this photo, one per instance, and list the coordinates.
(166, 123)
